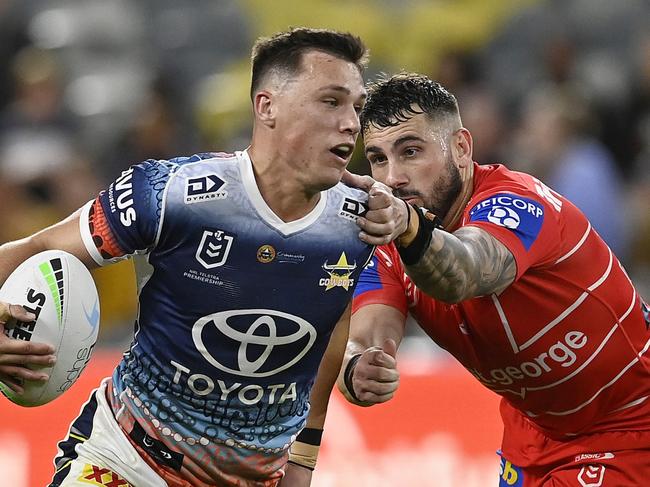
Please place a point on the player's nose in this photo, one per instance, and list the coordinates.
(350, 121)
(395, 176)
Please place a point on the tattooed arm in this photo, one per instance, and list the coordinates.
(462, 265)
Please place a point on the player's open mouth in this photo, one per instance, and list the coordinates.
(342, 151)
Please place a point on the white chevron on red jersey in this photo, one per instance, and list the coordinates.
(566, 344)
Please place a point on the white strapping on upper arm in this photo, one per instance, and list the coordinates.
(87, 238)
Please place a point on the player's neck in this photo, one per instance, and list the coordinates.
(282, 192)
(453, 215)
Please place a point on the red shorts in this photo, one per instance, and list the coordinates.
(606, 459)
(627, 468)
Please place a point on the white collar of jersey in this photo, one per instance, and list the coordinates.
(267, 214)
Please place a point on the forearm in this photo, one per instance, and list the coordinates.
(13, 253)
(64, 235)
(446, 270)
(375, 331)
(453, 267)
(371, 326)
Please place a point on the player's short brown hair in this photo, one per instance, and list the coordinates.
(283, 52)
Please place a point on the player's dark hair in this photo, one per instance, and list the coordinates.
(395, 99)
(284, 51)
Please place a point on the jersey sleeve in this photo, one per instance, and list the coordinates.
(381, 282)
(525, 220)
(124, 219)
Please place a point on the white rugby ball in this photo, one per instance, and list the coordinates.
(58, 288)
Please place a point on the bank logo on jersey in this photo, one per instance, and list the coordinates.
(352, 209)
(214, 248)
(339, 274)
(204, 188)
(523, 216)
(266, 341)
(504, 216)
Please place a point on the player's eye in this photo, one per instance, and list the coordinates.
(411, 151)
(376, 159)
(333, 102)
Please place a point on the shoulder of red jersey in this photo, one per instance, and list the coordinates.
(519, 210)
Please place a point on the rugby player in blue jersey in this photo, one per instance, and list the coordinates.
(246, 264)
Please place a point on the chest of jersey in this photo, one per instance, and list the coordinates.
(251, 297)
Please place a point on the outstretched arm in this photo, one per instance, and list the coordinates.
(304, 451)
(457, 266)
(451, 267)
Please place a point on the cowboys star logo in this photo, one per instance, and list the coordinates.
(339, 274)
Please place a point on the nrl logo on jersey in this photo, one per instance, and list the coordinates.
(339, 274)
(204, 188)
(352, 209)
(214, 248)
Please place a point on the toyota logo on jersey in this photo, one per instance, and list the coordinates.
(266, 341)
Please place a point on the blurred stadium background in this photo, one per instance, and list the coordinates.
(559, 88)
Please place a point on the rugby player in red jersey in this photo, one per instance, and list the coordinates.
(513, 281)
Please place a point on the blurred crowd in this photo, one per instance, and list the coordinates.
(561, 90)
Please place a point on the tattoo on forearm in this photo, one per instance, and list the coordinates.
(463, 265)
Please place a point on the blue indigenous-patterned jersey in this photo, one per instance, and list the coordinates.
(236, 310)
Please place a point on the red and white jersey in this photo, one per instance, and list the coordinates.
(566, 344)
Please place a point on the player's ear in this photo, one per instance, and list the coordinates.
(264, 108)
(462, 146)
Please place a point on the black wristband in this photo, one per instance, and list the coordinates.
(347, 376)
(311, 436)
(428, 222)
